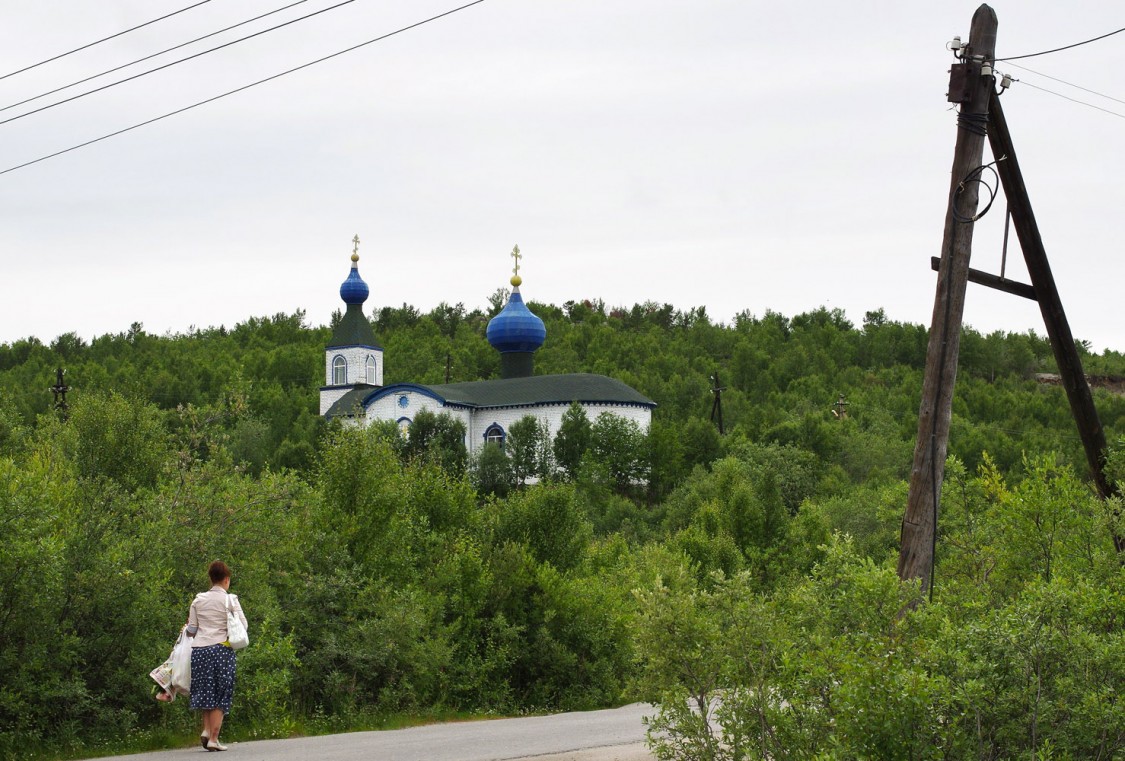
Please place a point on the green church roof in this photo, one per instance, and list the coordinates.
(541, 389)
(507, 392)
(354, 329)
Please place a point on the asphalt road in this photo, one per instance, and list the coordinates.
(616, 734)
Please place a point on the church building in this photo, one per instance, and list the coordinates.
(353, 372)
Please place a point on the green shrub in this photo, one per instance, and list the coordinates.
(1020, 656)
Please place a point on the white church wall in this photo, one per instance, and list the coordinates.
(391, 407)
(552, 414)
(642, 416)
(356, 358)
(328, 397)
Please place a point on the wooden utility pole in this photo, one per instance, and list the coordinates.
(59, 390)
(1050, 305)
(971, 88)
(717, 404)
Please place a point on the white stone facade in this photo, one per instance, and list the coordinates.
(478, 421)
(552, 414)
(355, 360)
(390, 407)
(329, 395)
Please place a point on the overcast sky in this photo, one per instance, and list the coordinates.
(736, 155)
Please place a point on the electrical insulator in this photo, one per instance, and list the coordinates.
(986, 69)
(1006, 82)
(955, 45)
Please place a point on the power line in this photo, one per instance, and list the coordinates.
(1064, 47)
(154, 55)
(1073, 100)
(173, 63)
(103, 39)
(240, 89)
(1069, 84)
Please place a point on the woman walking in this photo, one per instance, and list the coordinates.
(212, 659)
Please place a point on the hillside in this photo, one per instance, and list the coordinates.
(782, 375)
(389, 576)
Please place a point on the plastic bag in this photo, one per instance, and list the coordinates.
(181, 664)
(174, 675)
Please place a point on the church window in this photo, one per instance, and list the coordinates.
(404, 426)
(370, 370)
(339, 371)
(404, 401)
(494, 434)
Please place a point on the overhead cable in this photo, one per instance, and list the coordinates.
(154, 55)
(1069, 84)
(103, 39)
(1064, 47)
(240, 89)
(173, 63)
(1073, 100)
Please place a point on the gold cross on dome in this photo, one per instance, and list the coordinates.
(355, 241)
(516, 255)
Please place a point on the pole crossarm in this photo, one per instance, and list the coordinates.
(992, 281)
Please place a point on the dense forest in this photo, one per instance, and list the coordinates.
(750, 575)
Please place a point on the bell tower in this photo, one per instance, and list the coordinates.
(352, 359)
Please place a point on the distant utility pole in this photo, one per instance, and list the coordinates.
(59, 390)
(717, 405)
(970, 85)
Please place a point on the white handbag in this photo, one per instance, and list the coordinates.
(236, 632)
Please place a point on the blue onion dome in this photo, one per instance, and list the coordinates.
(516, 328)
(354, 290)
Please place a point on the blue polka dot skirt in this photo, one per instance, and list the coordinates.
(212, 677)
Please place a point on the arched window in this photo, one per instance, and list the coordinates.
(404, 426)
(370, 370)
(339, 371)
(494, 434)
